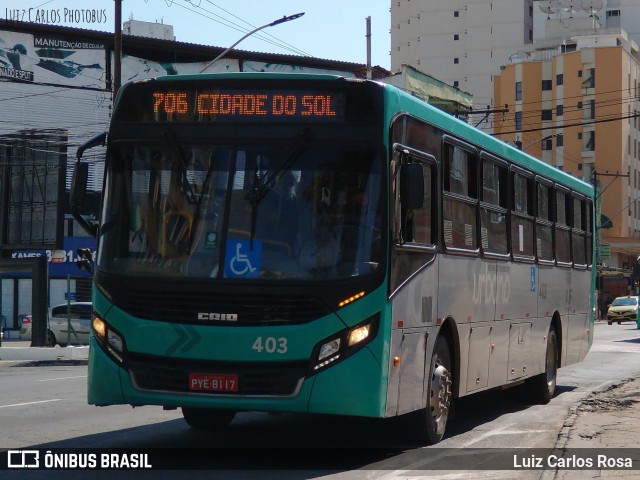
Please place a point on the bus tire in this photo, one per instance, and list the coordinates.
(542, 387)
(439, 392)
(207, 418)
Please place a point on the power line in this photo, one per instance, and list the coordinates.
(262, 33)
(238, 28)
(580, 124)
(581, 96)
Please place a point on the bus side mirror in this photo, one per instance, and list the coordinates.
(95, 141)
(77, 195)
(79, 185)
(412, 186)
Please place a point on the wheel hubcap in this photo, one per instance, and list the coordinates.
(440, 394)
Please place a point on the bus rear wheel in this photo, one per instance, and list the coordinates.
(439, 392)
(542, 387)
(207, 418)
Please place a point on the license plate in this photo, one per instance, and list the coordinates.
(213, 382)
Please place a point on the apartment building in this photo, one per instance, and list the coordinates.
(461, 42)
(574, 104)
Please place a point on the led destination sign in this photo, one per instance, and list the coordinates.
(245, 106)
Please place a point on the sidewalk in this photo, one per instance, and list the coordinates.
(608, 419)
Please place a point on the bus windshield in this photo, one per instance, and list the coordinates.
(271, 211)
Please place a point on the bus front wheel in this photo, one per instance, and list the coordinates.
(207, 418)
(439, 392)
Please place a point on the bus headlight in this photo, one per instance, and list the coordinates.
(330, 348)
(99, 327)
(110, 340)
(342, 345)
(358, 334)
(115, 344)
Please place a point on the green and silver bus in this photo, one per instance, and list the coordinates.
(311, 243)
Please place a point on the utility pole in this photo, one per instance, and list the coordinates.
(369, 73)
(117, 49)
(489, 111)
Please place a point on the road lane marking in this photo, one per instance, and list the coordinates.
(31, 403)
(60, 378)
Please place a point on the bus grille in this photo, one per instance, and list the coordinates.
(271, 379)
(249, 309)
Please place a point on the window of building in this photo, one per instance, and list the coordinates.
(518, 91)
(518, 121)
(547, 144)
(590, 81)
(456, 60)
(456, 37)
(456, 84)
(547, 85)
(559, 140)
(590, 144)
(456, 13)
(559, 110)
(592, 109)
(546, 114)
(559, 79)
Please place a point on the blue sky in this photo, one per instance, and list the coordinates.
(332, 29)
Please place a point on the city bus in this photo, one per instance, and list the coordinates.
(318, 244)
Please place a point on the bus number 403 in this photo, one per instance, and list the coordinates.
(270, 345)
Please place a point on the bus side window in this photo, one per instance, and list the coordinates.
(460, 198)
(415, 222)
(493, 208)
(522, 216)
(544, 228)
(578, 240)
(589, 232)
(562, 228)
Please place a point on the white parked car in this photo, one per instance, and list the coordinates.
(25, 326)
(69, 324)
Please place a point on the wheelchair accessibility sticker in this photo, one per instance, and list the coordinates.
(242, 262)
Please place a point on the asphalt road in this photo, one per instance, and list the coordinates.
(45, 407)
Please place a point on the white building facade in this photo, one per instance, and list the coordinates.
(461, 42)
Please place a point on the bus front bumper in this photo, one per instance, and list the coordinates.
(354, 386)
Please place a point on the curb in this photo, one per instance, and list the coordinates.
(44, 354)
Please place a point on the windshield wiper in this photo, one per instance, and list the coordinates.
(180, 161)
(205, 186)
(261, 186)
